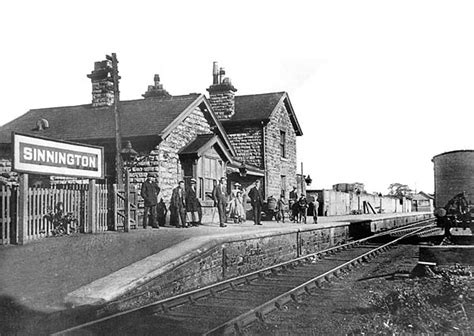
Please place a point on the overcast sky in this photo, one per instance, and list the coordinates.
(379, 87)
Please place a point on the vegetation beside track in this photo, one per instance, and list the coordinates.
(441, 302)
(382, 297)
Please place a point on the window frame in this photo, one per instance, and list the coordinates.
(283, 143)
(210, 170)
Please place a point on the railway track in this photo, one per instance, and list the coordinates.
(229, 306)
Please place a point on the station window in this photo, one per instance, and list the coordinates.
(283, 144)
(211, 169)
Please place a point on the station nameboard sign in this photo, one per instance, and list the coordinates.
(43, 156)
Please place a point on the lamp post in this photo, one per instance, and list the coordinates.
(128, 155)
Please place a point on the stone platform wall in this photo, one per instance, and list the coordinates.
(233, 258)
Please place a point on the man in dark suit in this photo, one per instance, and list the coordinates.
(256, 200)
(149, 192)
(219, 194)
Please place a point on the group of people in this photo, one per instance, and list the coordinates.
(301, 207)
(185, 208)
(235, 206)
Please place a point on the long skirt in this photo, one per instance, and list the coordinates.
(237, 210)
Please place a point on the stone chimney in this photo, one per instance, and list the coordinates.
(156, 91)
(102, 84)
(221, 94)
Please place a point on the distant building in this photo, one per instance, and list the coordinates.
(348, 187)
(336, 203)
(422, 202)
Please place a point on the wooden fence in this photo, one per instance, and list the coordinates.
(41, 201)
(32, 224)
(7, 214)
(100, 197)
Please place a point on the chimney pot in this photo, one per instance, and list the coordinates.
(215, 73)
(156, 90)
(156, 79)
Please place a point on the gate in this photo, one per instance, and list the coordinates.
(122, 211)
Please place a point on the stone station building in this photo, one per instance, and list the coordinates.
(178, 137)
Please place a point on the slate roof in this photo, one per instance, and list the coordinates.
(259, 107)
(202, 142)
(194, 146)
(142, 117)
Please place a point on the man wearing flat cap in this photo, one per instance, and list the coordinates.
(149, 192)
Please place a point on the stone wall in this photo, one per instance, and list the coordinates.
(198, 272)
(102, 84)
(6, 175)
(232, 258)
(242, 257)
(223, 104)
(247, 142)
(276, 165)
(164, 159)
(317, 240)
(5, 164)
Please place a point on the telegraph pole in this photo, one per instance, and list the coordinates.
(118, 140)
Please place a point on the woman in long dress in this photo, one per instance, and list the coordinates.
(236, 204)
(240, 210)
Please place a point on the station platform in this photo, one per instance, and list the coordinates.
(58, 273)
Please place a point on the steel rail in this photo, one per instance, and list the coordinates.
(258, 313)
(213, 289)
